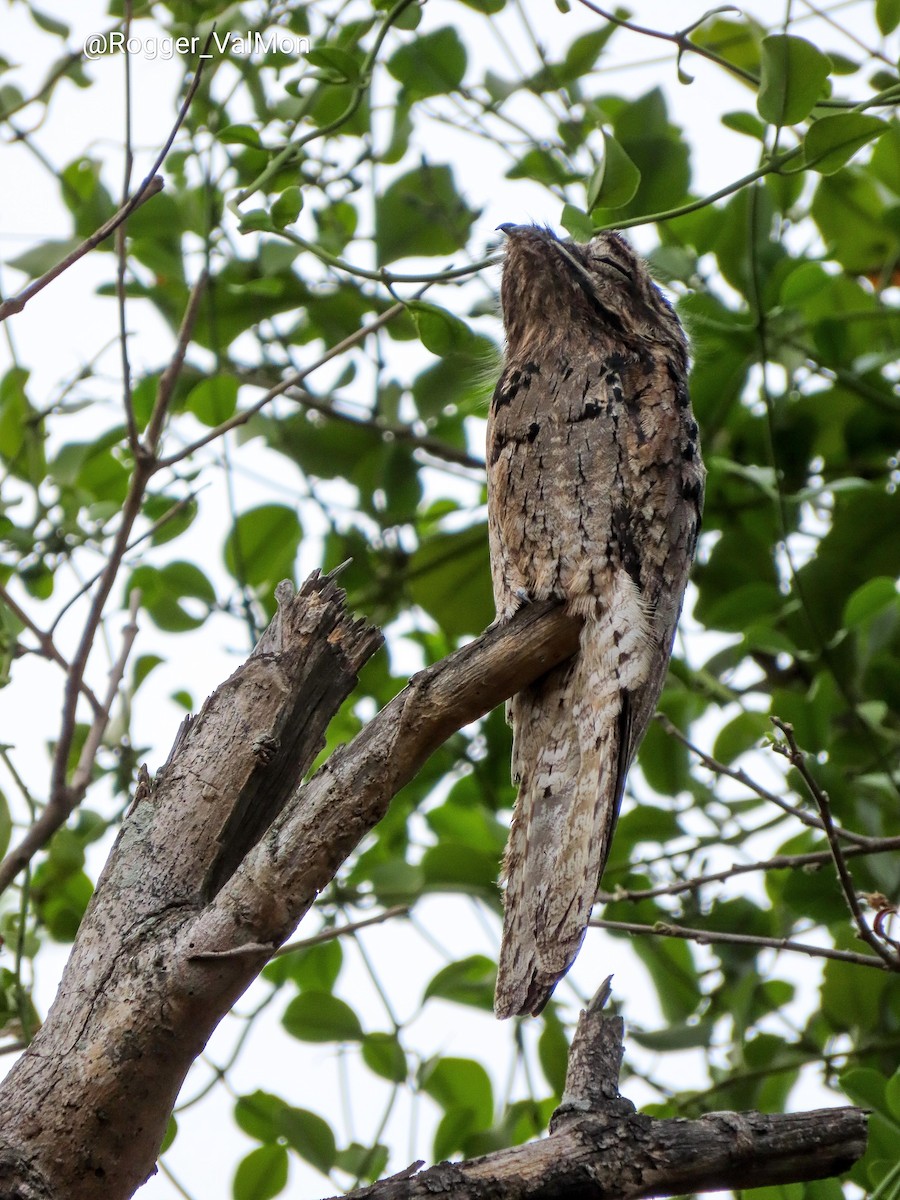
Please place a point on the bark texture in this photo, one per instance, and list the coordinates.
(217, 861)
(219, 858)
(599, 1148)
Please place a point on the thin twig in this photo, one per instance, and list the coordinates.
(290, 152)
(46, 644)
(152, 184)
(704, 936)
(741, 776)
(241, 418)
(795, 756)
(64, 797)
(780, 862)
(62, 802)
(391, 430)
(680, 38)
(167, 516)
(148, 189)
(121, 251)
(81, 776)
(328, 935)
(382, 275)
(170, 375)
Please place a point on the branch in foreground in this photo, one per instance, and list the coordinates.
(599, 1147)
(705, 936)
(151, 185)
(216, 862)
(795, 756)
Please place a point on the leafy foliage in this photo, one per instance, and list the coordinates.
(331, 191)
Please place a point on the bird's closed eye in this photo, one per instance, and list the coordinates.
(611, 262)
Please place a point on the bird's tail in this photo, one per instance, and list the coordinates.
(571, 748)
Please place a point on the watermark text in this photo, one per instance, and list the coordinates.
(243, 45)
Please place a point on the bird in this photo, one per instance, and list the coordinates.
(595, 491)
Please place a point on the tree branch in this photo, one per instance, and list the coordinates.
(599, 1148)
(795, 756)
(230, 853)
(152, 184)
(704, 936)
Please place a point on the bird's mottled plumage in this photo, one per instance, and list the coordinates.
(595, 488)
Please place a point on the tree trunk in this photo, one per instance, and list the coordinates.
(220, 857)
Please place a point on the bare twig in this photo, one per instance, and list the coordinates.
(152, 184)
(780, 862)
(167, 516)
(45, 642)
(121, 253)
(680, 38)
(392, 430)
(81, 777)
(741, 776)
(170, 375)
(241, 418)
(382, 275)
(705, 936)
(328, 935)
(795, 756)
(60, 806)
(64, 797)
(148, 189)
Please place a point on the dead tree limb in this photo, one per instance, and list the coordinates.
(599, 1148)
(216, 862)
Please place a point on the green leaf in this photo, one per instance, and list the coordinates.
(383, 1054)
(616, 180)
(675, 1037)
(576, 223)
(259, 1114)
(239, 135)
(449, 578)
(213, 400)
(363, 1162)
(468, 981)
(340, 66)
(553, 1051)
(164, 591)
(792, 79)
(49, 24)
(321, 1017)
(460, 1083)
(287, 207)
(441, 332)
(21, 429)
(873, 597)
(542, 166)
(431, 65)
(41, 258)
(582, 55)
(5, 824)
(310, 1136)
(421, 213)
(887, 15)
(831, 142)
(740, 734)
(311, 968)
(746, 123)
(262, 1174)
(262, 546)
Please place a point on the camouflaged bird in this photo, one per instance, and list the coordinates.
(595, 488)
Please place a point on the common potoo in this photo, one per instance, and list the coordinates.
(595, 488)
